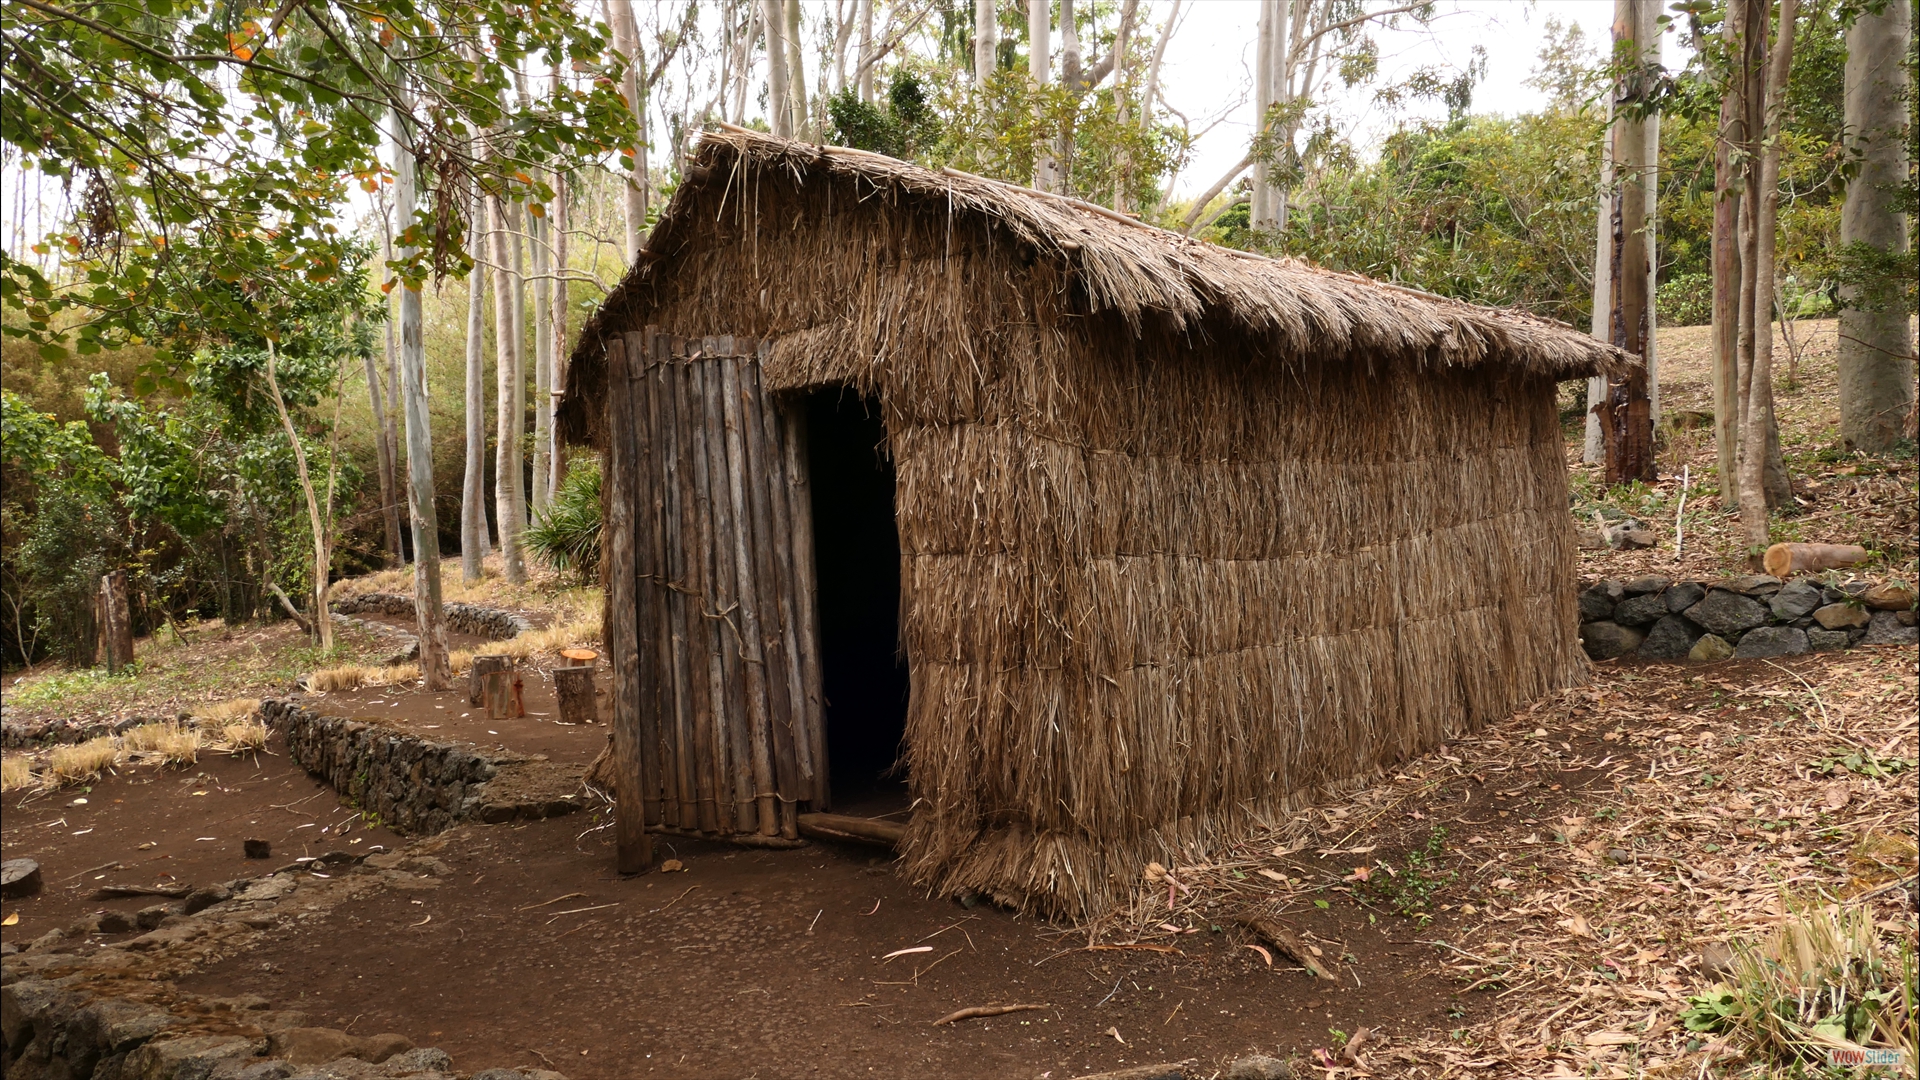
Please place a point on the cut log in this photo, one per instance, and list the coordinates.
(484, 665)
(496, 690)
(573, 690)
(1784, 559)
(586, 658)
(1281, 937)
(859, 829)
(116, 621)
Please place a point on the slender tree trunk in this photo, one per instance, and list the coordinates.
(322, 553)
(1768, 83)
(986, 41)
(413, 367)
(1725, 253)
(1594, 450)
(779, 99)
(557, 358)
(1627, 415)
(626, 39)
(797, 72)
(1876, 344)
(506, 461)
(865, 78)
(1153, 67)
(473, 493)
(540, 236)
(1039, 66)
(384, 433)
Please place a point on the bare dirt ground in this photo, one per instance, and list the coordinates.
(1541, 898)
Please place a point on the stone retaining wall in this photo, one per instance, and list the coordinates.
(487, 622)
(1747, 617)
(415, 786)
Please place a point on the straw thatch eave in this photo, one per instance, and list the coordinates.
(1289, 310)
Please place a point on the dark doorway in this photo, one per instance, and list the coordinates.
(857, 572)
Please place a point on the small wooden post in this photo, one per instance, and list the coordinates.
(573, 691)
(497, 690)
(483, 665)
(116, 622)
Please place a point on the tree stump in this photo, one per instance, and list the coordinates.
(483, 665)
(116, 622)
(573, 690)
(497, 694)
(578, 658)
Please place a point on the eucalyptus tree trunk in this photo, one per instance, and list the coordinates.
(626, 39)
(779, 99)
(506, 362)
(797, 72)
(1725, 253)
(1876, 346)
(865, 78)
(539, 237)
(383, 433)
(473, 493)
(745, 65)
(1594, 449)
(1039, 29)
(1627, 411)
(413, 371)
(1765, 105)
(557, 354)
(1272, 30)
(986, 40)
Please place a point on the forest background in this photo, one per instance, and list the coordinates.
(207, 360)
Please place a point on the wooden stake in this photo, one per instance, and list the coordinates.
(574, 695)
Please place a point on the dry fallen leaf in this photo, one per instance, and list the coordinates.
(672, 866)
(1264, 954)
(1115, 1032)
(1274, 874)
(1360, 873)
(1577, 926)
(1838, 795)
(1156, 873)
(12, 919)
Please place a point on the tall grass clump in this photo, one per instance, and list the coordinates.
(16, 772)
(173, 744)
(566, 536)
(82, 762)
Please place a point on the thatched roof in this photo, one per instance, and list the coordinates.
(1299, 311)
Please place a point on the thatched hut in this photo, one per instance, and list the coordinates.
(1119, 541)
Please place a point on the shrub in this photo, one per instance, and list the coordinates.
(566, 536)
(1685, 300)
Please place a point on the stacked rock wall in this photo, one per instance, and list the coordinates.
(1747, 617)
(475, 619)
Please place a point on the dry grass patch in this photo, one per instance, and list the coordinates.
(16, 772)
(227, 712)
(355, 676)
(83, 762)
(242, 737)
(172, 744)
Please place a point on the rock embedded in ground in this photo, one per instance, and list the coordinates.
(1827, 640)
(1886, 628)
(1727, 613)
(1842, 617)
(1672, 638)
(1889, 596)
(1795, 599)
(1709, 648)
(1767, 641)
(1684, 595)
(419, 1059)
(19, 878)
(201, 899)
(1259, 1067)
(1605, 640)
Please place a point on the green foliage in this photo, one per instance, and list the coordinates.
(566, 536)
(1685, 300)
(903, 129)
(1410, 890)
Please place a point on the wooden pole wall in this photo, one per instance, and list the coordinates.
(634, 849)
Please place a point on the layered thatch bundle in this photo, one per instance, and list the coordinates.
(1186, 533)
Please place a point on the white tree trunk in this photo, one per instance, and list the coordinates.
(413, 370)
(797, 72)
(473, 492)
(539, 236)
(1876, 344)
(986, 40)
(1594, 449)
(506, 460)
(556, 377)
(626, 39)
(779, 99)
(1039, 29)
(865, 78)
(322, 555)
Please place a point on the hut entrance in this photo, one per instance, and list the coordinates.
(857, 575)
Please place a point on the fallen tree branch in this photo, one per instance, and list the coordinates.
(976, 1011)
(1288, 942)
(292, 611)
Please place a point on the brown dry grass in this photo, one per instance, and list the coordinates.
(16, 772)
(79, 763)
(169, 744)
(354, 676)
(228, 711)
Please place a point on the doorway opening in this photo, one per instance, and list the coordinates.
(856, 554)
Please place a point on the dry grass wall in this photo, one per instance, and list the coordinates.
(1159, 585)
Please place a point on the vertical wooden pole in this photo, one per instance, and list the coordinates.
(666, 377)
(634, 848)
(710, 789)
(729, 697)
(759, 725)
(658, 788)
(800, 509)
(770, 542)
